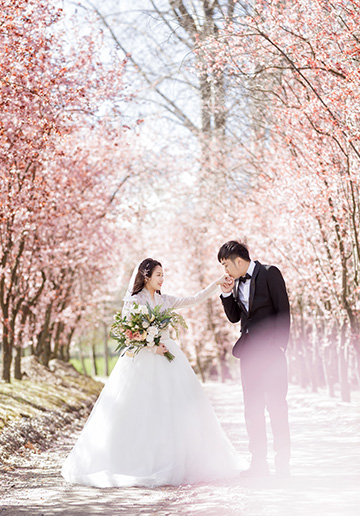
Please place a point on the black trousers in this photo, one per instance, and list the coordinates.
(265, 384)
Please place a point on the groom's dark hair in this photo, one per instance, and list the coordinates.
(233, 249)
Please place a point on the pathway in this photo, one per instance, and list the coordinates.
(325, 472)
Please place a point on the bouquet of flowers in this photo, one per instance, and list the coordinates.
(143, 326)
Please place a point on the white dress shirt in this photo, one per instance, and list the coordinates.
(244, 287)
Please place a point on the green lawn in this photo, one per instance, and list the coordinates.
(100, 363)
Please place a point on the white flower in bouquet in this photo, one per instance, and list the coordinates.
(150, 341)
(153, 330)
(143, 327)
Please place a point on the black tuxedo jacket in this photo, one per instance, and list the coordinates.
(267, 323)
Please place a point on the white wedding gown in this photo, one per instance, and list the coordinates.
(152, 424)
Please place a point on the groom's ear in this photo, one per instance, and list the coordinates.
(238, 261)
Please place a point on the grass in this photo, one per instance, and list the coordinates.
(89, 368)
(42, 391)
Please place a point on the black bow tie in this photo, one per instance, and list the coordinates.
(242, 279)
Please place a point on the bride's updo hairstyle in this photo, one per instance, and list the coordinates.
(144, 272)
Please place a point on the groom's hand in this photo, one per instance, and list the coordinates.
(227, 285)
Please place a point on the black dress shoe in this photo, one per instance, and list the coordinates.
(256, 471)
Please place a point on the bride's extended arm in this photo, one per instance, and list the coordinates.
(185, 302)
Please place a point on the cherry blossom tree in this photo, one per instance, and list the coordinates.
(298, 64)
(63, 164)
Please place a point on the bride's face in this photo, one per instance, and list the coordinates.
(156, 280)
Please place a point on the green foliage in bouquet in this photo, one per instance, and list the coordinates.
(143, 326)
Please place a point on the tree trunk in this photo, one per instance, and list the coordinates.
(82, 359)
(64, 352)
(329, 371)
(224, 367)
(311, 353)
(44, 351)
(57, 345)
(66, 347)
(200, 368)
(356, 345)
(320, 369)
(357, 366)
(330, 359)
(343, 368)
(46, 354)
(93, 353)
(7, 356)
(17, 363)
(303, 362)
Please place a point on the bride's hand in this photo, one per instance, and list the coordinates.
(226, 283)
(221, 280)
(161, 349)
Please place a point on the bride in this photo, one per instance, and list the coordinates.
(152, 424)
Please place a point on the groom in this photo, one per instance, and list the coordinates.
(255, 294)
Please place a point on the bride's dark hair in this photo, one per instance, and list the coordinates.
(145, 271)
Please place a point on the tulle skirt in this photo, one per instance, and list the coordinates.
(152, 425)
